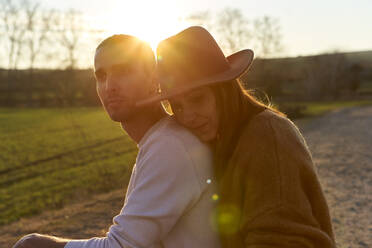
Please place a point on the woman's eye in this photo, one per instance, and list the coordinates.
(197, 99)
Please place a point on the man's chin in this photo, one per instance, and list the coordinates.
(120, 116)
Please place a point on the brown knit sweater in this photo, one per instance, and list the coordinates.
(270, 195)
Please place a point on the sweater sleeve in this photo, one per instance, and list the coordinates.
(284, 205)
(165, 187)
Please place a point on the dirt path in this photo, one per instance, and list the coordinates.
(341, 144)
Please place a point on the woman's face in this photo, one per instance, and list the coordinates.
(197, 111)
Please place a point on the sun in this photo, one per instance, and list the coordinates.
(147, 20)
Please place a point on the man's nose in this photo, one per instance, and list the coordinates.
(111, 83)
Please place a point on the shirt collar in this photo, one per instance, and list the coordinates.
(151, 130)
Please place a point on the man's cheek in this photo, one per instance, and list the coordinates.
(100, 94)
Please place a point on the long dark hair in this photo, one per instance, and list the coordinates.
(235, 106)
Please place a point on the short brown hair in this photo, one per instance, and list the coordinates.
(139, 48)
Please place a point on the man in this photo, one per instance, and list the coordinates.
(169, 198)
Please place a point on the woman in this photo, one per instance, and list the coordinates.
(269, 193)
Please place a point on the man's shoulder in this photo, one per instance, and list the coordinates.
(170, 132)
(172, 142)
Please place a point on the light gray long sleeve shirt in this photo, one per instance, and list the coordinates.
(169, 198)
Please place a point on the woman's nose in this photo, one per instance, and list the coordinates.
(188, 116)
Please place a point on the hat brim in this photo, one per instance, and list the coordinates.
(239, 63)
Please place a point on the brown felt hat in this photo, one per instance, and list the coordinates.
(192, 58)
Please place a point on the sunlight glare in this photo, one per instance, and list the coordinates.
(148, 20)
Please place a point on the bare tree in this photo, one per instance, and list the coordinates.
(267, 36)
(12, 33)
(201, 18)
(229, 27)
(38, 27)
(233, 30)
(31, 25)
(70, 27)
(12, 18)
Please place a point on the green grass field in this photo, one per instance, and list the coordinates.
(312, 109)
(49, 157)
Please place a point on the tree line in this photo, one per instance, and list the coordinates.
(320, 77)
(44, 49)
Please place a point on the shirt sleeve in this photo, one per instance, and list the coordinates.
(165, 187)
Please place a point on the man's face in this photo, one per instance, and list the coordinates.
(121, 81)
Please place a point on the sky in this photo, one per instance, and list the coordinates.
(307, 27)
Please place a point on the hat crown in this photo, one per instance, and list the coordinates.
(191, 59)
(189, 56)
